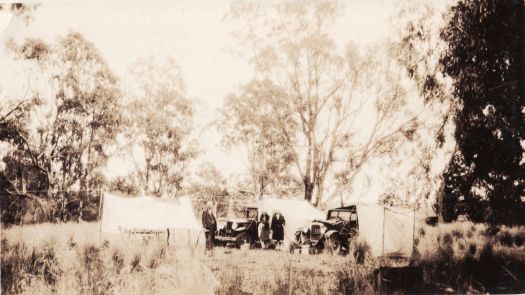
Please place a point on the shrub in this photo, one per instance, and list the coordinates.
(118, 261)
(470, 233)
(105, 244)
(505, 239)
(487, 252)
(356, 279)
(135, 263)
(519, 239)
(472, 249)
(93, 276)
(461, 245)
(360, 251)
(491, 231)
(233, 285)
(458, 234)
(71, 243)
(446, 239)
(19, 266)
(47, 265)
(14, 258)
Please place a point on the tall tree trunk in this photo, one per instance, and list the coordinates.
(319, 193)
(146, 185)
(439, 201)
(308, 188)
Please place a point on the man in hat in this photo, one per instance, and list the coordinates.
(210, 225)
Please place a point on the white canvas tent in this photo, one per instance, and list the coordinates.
(389, 231)
(125, 214)
(297, 213)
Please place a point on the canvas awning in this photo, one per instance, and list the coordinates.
(146, 213)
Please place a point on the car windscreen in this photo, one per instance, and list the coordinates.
(345, 215)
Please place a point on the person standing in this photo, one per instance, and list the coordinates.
(210, 226)
(277, 227)
(264, 225)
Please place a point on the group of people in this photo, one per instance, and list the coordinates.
(269, 229)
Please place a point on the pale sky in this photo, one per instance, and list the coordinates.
(194, 33)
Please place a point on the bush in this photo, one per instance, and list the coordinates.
(519, 239)
(472, 249)
(19, 266)
(14, 258)
(470, 233)
(233, 285)
(118, 261)
(356, 279)
(135, 263)
(505, 239)
(360, 251)
(458, 234)
(93, 276)
(446, 239)
(491, 231)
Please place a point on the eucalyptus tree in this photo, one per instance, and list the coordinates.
(160, 117)
(331, 109)
(60, 130)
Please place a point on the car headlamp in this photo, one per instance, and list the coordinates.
(234, 225)
(305, 230)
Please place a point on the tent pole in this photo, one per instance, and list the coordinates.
(100, 217)
(383, 244)
(413, 230)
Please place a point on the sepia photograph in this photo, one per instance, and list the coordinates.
(262, 147)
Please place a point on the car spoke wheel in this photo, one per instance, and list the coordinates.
(334, 245)
(243, 239)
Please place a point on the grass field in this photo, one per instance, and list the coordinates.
(72, 259)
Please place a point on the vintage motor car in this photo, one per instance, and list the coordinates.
(238, 231)
(332, 235)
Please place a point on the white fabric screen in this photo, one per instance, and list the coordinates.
(387, 230)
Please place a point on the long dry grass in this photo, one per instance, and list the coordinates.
(74, 259)
(464, 257)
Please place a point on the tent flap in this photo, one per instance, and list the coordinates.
(388, 231)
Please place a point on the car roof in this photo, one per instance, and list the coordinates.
(345, 208)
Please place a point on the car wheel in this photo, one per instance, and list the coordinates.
(333, 245)
(243, 239)
(319, 247)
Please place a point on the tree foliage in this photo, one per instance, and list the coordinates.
(160, 123)
(60, 130)
(319, 93)
(484, 57)
(418, 48)
(249, 118)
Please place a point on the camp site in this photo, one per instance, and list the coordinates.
(262, 147)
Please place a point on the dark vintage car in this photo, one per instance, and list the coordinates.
(332, 235)
(238, 231)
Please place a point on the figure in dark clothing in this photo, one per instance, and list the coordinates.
(277, 227)
(264, 227)
(210, 226)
